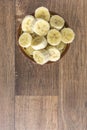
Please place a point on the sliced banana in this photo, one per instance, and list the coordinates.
(28, 51)
(54, 53)
(54, 37)
(61, 51)
(41, 57)
(25, 40)
(27, 23)
(39, 43)
(42, 12)
(41, 27)
(61, 46)
(67, 35)
(57, 22)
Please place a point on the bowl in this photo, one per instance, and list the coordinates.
(19, 32)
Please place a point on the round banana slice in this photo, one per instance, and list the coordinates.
(27, 23)
(57, 22)
(41, 57)
(28, 51)
(67, 35)
(54, 53)
(25, 40)
(42, 12)
(39, 43)
(61, 46)
(54, 37)
(41, 27)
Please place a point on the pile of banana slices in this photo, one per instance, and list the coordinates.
(44, 36)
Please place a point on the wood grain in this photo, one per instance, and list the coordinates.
(46, 79)
(7, 64)
(33, 79)
(68, 77)
(73, 72)
(36, 113)
(52, 97)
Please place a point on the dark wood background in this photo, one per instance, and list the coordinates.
(49, 97)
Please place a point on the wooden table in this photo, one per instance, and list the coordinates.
(49, 97)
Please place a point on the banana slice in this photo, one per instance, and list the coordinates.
(61, 46)
(57, 22)
(27, 23)
(28, 51)
(41, 27)
(54, 37)
(39, 43)
(42, 12)
(25, 40)
(63, 50)
(54, 53)
(41, 57)
(67, 35)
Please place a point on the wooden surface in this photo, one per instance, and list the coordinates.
(41, 113)
(7, 64)
(52, 97)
